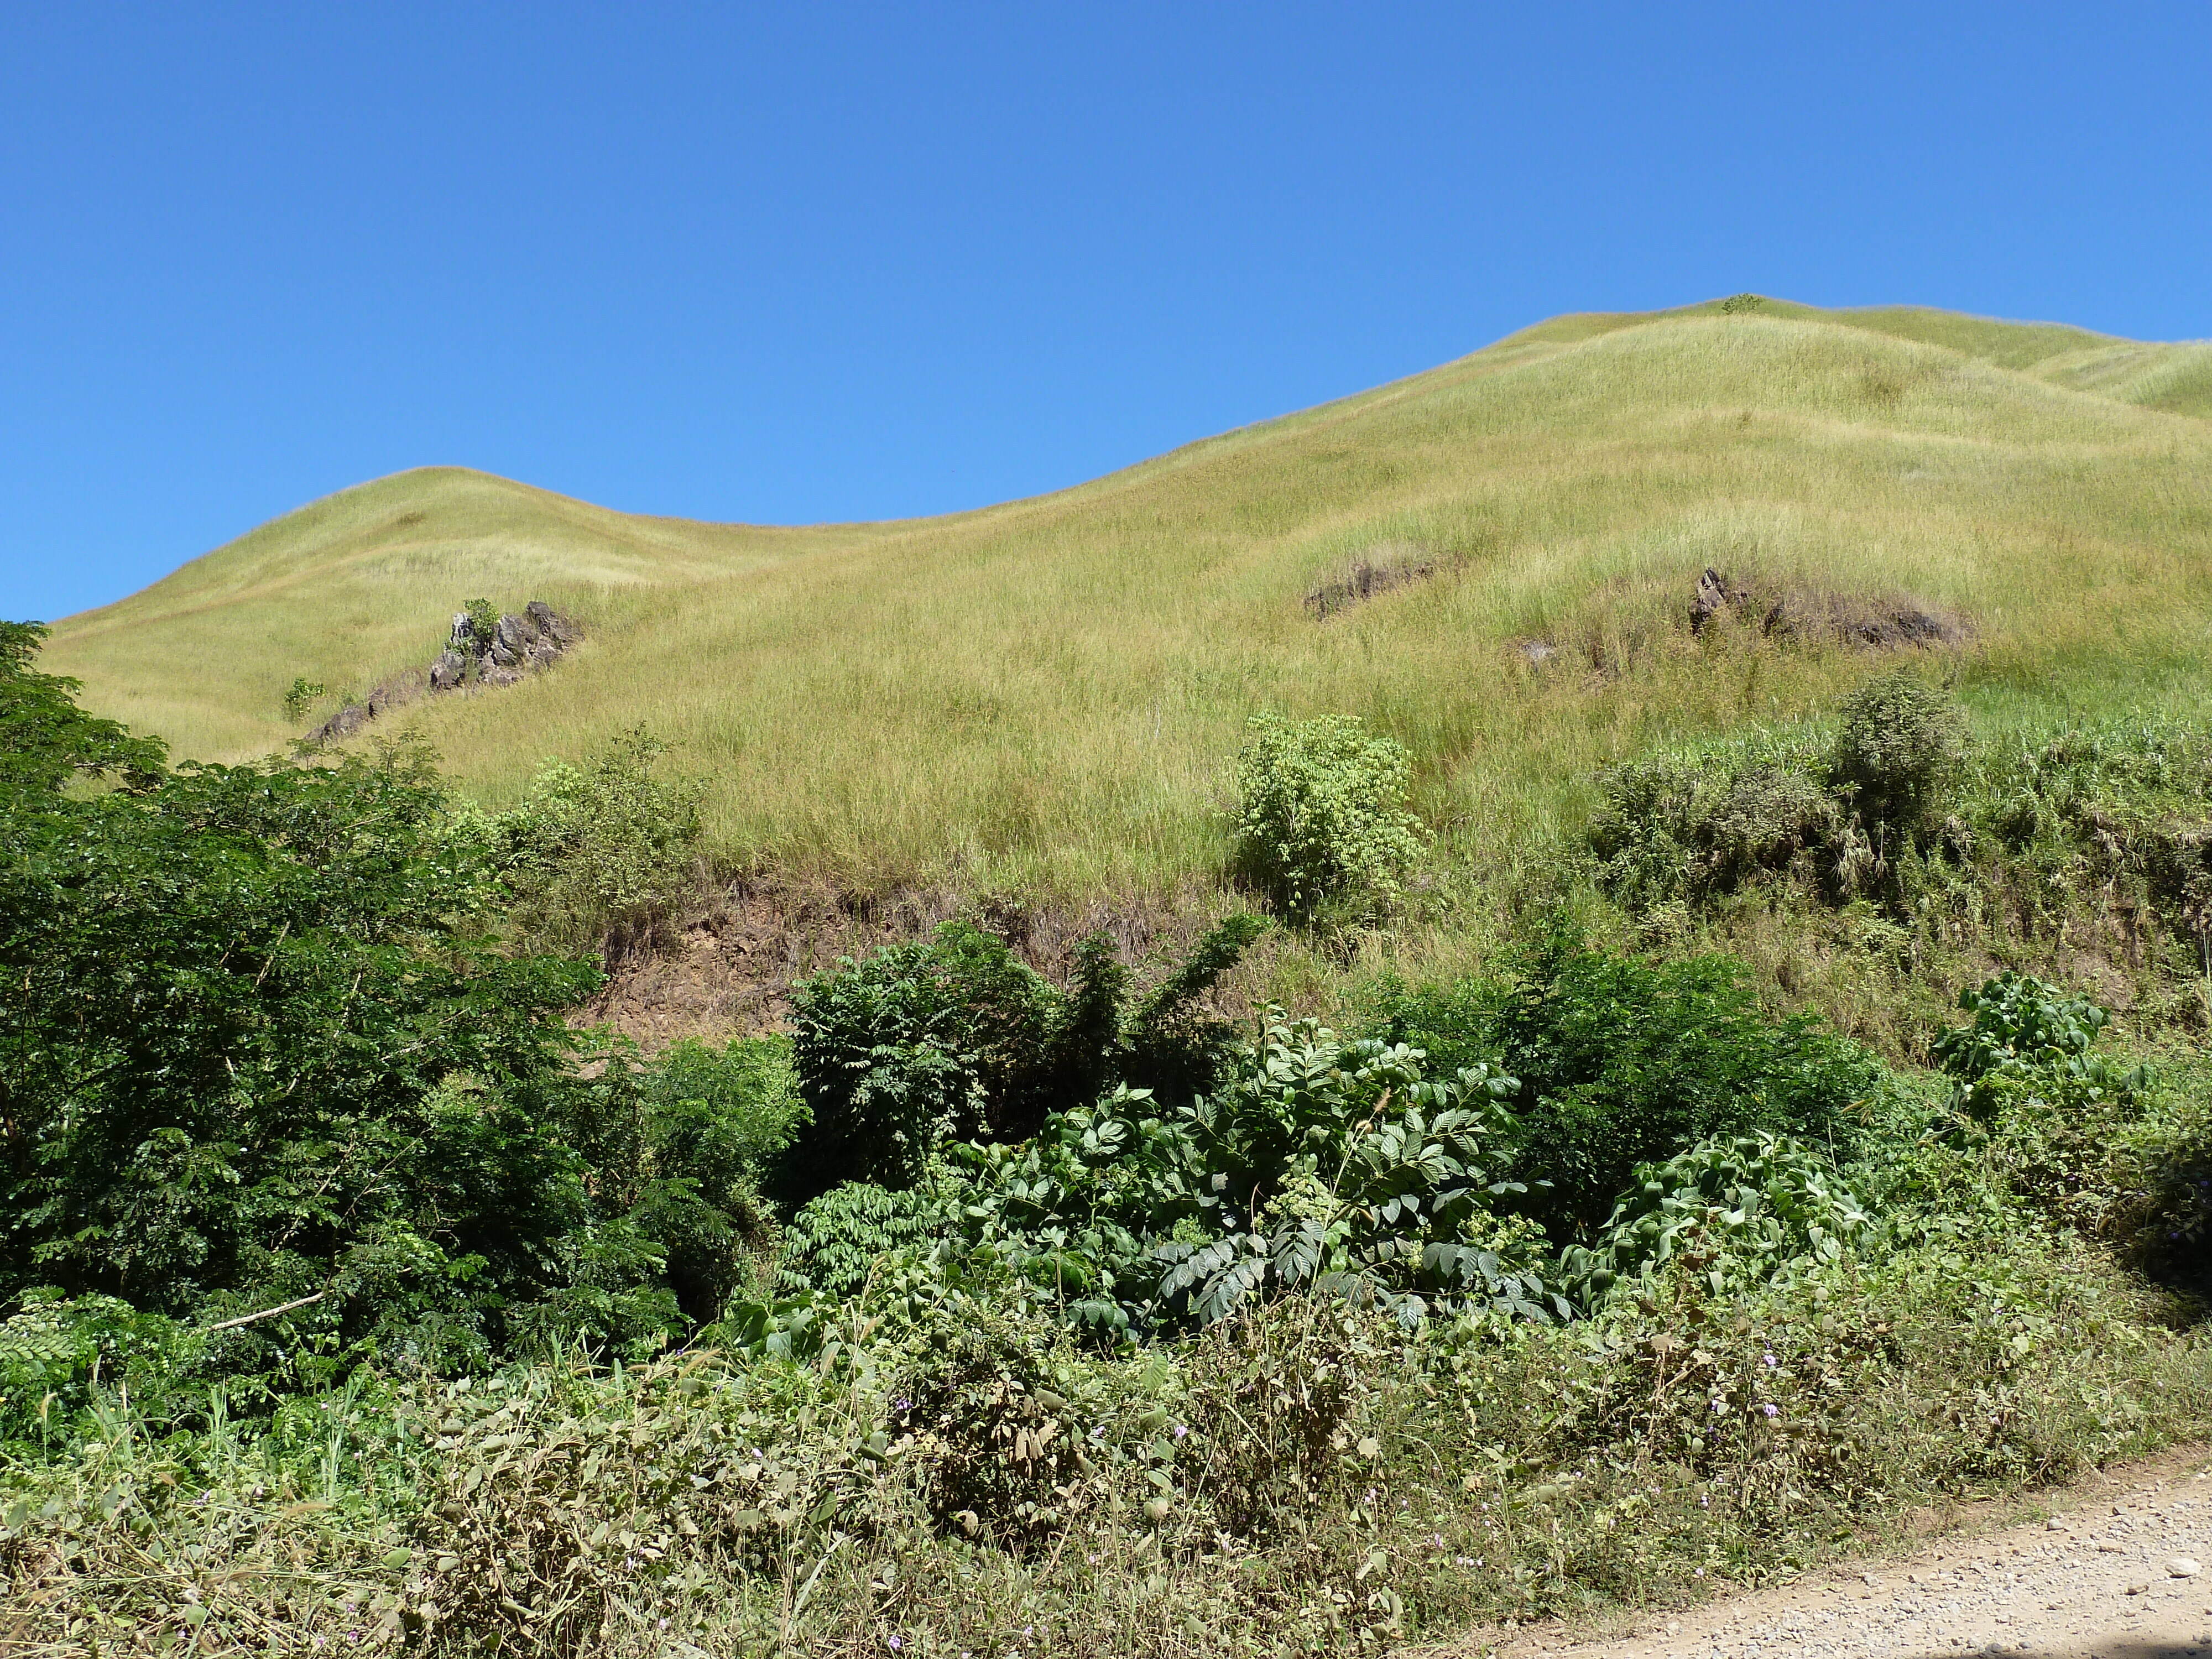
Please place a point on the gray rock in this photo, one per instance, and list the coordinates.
(551, 624)
(341, 725)
(519, 644)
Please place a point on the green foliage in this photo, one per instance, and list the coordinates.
(254, 1051)
(714, 1120)
(835, 1244)
(953, 1037)
(1900, 750)
(484, 620)
(1729, 1214)
(601, 850)
(55, 1352)
(1321, 811)
(1625, 1062)
(300, 693)
(891, 1054)
(1317, 1164)
(2024, 1028)
(1691, 825)
(47, 740)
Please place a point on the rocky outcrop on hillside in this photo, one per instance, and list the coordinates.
(478, 652)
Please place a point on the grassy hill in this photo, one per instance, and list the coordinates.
(1048, 694)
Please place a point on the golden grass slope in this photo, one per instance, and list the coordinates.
(1050, 695)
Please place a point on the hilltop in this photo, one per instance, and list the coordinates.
(1048, 694)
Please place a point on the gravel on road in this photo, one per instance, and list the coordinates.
(2117, 1571)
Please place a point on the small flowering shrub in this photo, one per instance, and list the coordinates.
(1321, 811)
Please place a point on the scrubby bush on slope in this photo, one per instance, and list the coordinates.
(1943, 856)
(598, 850)
(1322, 812)
(953, 1037)
(1899, 752)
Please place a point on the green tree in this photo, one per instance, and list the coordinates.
(254, 1048)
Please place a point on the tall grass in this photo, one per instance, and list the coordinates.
(1048, 696)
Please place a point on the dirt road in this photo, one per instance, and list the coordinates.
(2119, 1570)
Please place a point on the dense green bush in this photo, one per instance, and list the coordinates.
(1690, 824)
(953, 1037)
(834, 1245)
(1321, 811)
(2025, 1029)
(1317, 1164)
(599, 850)
(713, 1120)
(257, 1054)
(1626, 1062)
(1727, 1213)
(1900, 750)
(1693, 824)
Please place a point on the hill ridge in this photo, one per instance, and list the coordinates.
(1051, 690)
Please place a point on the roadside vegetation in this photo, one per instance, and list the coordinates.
(355, 1301)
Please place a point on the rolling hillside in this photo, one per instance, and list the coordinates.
(1048, 694)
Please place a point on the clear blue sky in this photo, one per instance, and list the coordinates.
(796, 264)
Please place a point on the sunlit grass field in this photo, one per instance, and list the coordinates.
(1048, 696)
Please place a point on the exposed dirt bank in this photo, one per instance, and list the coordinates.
(727, 970)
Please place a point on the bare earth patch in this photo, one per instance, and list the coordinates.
(2116, 1571)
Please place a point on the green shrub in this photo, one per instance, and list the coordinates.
(1691, 825)
(836, 1243)
(1900, 750)
(1626, 1062)
(300, 693)
(891, 1055)
(953, 1037)
(347, 1096)
(1315, 1165)
(597, 851)
(55, 1352)
(1321, 811)
(1729, 1214)
(714, 1121)
(724, 1114)
(2024, 1028)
